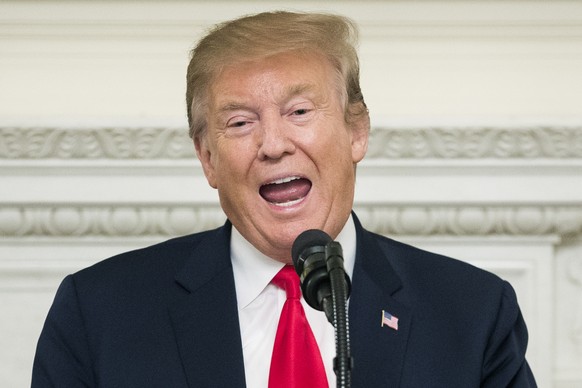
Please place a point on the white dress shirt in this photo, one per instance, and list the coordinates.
(260, 304)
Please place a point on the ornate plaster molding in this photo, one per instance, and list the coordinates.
(472, 143)
(386, 143)
(98, 143)
(107, 221)
(22, 221)
(519, 220)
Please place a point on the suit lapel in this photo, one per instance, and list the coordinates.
(206, 326)
(205, 318)
(378, 351)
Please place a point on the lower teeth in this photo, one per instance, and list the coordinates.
(288, 203)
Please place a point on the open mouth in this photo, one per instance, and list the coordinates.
(285, 191)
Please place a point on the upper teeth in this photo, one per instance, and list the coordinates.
(285, 180)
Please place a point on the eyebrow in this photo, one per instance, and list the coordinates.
(232, 106)
(294, 90)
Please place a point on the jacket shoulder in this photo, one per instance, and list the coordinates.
(152, 264)
(407, 259)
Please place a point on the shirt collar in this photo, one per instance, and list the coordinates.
(253, 271)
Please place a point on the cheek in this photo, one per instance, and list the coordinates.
(231, 166)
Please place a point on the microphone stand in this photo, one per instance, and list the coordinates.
(325, 285)
(339, 293)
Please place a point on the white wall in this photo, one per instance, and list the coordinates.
(476, 150)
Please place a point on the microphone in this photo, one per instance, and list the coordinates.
(308, 253)
(319, 263)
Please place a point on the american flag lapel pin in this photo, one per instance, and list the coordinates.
(389, 320)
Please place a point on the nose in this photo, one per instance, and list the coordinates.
(274, 141)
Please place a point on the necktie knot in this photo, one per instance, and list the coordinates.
(288, 280)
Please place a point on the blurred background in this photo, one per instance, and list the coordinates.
(476, 147)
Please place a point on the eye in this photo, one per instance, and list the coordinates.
(239, 121)
(300, 112)
(237, 124)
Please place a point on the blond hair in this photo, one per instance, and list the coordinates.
(270, 33)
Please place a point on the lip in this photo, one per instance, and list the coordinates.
(291, 204)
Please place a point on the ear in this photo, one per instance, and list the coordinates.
(360, 134)
(205, 156)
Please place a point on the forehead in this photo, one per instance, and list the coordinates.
(276, 76)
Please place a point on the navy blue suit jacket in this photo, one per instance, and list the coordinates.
(166, 316)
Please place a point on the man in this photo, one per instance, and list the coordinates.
(279, 124)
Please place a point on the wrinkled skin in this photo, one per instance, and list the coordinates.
(279, 150)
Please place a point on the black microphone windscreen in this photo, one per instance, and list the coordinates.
(307, 239)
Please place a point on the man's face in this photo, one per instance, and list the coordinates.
(279, 150)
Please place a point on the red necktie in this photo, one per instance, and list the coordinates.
(296, 361)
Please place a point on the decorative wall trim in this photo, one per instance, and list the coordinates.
(107, 221)
(97, 143)
(471, 143)
(564, 221)
(391, 143)
(111, 221)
